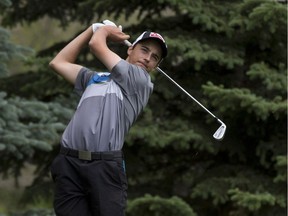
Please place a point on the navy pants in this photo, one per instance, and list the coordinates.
(89, 187)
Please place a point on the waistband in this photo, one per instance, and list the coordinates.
(87, 155)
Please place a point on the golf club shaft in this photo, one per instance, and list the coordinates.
(173, 81)
(161, 71)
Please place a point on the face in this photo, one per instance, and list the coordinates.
(146, 54)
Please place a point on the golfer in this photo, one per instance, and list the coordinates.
(89, 172)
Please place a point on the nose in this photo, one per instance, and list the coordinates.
(147, 57)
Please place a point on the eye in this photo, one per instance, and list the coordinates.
(144, 49)
(155, 58)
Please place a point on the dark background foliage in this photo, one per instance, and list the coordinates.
(232, 56)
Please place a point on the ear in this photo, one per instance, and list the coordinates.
(129, 50)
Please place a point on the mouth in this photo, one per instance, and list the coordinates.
(142, 65)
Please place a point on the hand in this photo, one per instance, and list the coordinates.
(95, 26)
(115, 33)
(108, 22)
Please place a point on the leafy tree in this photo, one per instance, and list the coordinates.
(230, 55)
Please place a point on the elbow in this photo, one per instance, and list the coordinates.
(94, 46)
(91, 46)
(52, 64)
(97, 43)
(92, 42)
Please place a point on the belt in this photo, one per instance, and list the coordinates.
(86, 155)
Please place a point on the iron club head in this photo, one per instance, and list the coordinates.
(219, 134)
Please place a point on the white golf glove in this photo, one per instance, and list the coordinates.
(95, 26)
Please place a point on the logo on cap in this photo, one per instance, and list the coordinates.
(156, 35)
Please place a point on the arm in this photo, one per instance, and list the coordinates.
(98, 45)
(64, 62)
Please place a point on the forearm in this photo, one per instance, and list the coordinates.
(71, 51)
(98, 45)
(64, 62)
(98, 42)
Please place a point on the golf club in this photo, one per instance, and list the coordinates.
(220, 132)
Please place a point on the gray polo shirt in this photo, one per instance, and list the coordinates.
(107, 108)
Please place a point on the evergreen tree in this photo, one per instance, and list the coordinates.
(28, 127)
(9, 50)
(229, 55)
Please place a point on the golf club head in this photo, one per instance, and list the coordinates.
(219, 134)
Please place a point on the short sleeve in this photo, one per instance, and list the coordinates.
(82, 79)
(131, 78)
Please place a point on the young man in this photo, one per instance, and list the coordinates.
(89, 172)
